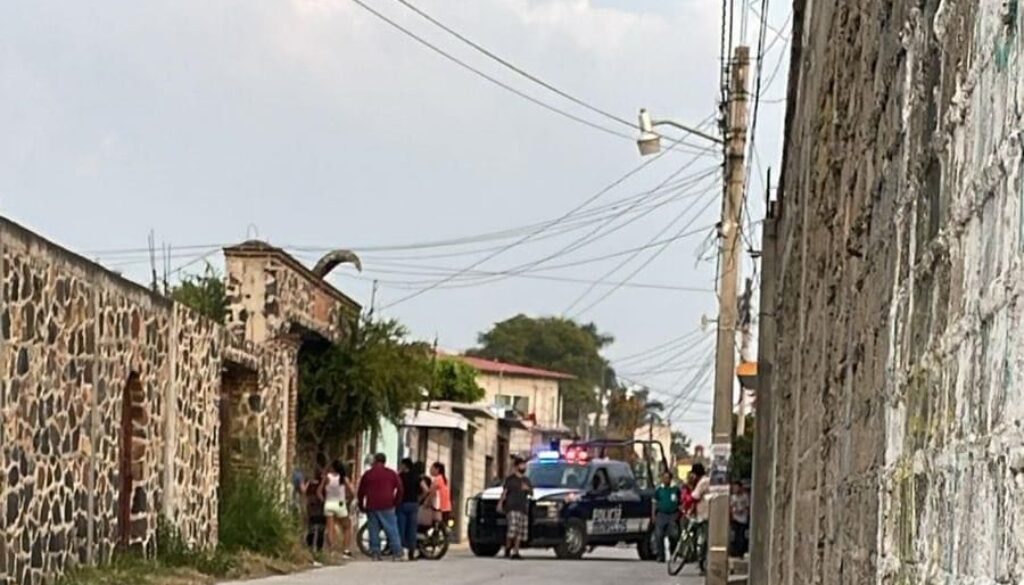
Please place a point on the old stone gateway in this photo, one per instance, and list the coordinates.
(118, 405)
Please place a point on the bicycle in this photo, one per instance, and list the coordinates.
(691, 548)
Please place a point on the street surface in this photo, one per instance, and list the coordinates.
(603, 567)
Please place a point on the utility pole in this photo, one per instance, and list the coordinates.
(725, 362)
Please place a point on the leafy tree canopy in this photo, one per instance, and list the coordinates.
(203, 294)
(455, 381)
(374, 373)
(742, 465)
(554, 343)
(628, 410)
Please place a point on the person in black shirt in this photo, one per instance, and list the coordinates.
(515, 504)
(408, 512)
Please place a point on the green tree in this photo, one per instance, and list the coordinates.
(559, 344)
(375, 373)
(630, 410)
(680, 445)
(204, 294)
(742, 465)
(455, 381)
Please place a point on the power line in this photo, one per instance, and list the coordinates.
(631, 258)
(672, 359)
(492, 79)
(640, 268)
(657, 349)
(574, 263)
(517, 69)
(531, 234)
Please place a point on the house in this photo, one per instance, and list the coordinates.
(531, 394)
(521, 410)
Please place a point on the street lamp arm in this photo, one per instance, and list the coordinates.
(687, 129)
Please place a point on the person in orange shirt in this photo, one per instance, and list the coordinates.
(439, 497)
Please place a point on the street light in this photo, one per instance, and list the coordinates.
(649, 141)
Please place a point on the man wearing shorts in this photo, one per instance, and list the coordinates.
(515, 503)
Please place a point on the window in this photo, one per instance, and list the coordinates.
(621, 477)
(520, 404)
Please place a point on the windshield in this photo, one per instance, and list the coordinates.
(556, 474)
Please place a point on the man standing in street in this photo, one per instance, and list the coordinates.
(515, 503)
(380, 492)
(665, 514)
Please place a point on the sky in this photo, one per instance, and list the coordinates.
(313, 124)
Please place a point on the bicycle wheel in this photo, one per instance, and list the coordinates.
(677, 561)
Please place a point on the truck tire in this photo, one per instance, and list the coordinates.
(646, 548)
(484, 550)
(574, 543)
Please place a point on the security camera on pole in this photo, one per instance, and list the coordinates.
(729, 269)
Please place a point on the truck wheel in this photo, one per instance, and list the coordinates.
(484, 550)
(646, 547)
(574, 543)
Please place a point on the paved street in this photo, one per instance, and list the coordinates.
(603, 567)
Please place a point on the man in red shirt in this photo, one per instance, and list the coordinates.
(380, 492)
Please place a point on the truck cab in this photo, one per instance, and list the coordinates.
(579, 502)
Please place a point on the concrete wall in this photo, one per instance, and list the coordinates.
(542, 393)
(893, 450)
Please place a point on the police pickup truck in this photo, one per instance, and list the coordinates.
(578, 503)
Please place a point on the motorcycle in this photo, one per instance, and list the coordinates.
(432, 540)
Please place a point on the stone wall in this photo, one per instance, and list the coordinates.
(193, 472)
(76, 343)
(276, 302)
(894, 448)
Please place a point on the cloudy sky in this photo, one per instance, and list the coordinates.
(314, 124)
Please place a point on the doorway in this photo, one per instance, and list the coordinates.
(132, 454)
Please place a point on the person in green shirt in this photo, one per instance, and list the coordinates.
(665, 514)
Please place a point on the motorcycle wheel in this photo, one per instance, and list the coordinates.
(433, 545)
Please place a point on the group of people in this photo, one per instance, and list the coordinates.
(328, 497)
(673, 503)
(395, 503)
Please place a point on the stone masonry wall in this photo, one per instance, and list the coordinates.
(897, 446)
(75, 341)
(194, 475)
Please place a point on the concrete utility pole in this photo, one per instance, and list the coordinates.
(725, 363)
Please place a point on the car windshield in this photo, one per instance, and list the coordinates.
(556, 474)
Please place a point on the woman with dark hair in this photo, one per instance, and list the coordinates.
(315, 519)
(408, 512)
(337, 491)
(439, 496)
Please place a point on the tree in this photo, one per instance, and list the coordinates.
(680, 445)
(375, 373)
(204, 294)
(630, 410)
(455, 381)
(742, 466)
(559, 344)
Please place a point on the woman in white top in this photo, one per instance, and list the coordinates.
(337, 492)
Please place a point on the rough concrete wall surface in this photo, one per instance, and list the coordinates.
(897, 445)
